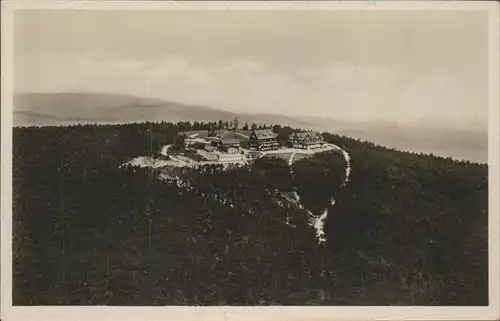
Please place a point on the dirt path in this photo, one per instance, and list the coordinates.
(318, 221)
(290, 160)
(315, 220)
(347, 159)
(164, 150)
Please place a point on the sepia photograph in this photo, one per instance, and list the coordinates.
(223, 155)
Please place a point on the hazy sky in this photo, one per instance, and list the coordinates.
(344, 64)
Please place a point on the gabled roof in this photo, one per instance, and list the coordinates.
(230, 141)
(265, 133)
(304, 135)
(300, 135)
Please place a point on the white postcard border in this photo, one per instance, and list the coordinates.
(245, 313)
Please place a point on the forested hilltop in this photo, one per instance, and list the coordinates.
(407, 228)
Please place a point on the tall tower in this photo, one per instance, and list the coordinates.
(235, 124)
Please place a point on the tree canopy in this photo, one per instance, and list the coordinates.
(406, 229)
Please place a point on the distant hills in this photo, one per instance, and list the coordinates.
(68, 108)
(460, 140)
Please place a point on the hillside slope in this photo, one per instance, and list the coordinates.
(407, 229)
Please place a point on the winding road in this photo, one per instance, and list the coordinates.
(316, 221)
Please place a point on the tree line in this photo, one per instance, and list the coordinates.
(221, 124)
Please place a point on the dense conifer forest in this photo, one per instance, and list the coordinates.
(408, 229)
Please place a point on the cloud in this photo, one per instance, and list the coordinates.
(338, 89)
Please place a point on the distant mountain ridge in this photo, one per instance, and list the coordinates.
(460, 140)
(63, 108)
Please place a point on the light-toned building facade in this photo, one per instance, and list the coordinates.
(263, 139)
(305, 140)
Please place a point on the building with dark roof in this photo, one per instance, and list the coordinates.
(263, 139)
(225, 144)
(305, 140)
